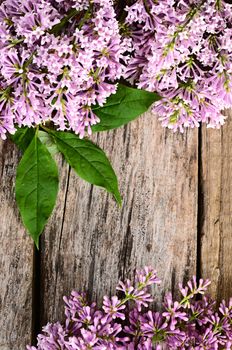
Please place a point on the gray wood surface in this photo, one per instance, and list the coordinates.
(90, 243)
(175, 216)
(216, 230)
(16, 261)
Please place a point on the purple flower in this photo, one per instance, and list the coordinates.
(154, 325)
(147, 277)
(193, 288)
(53, 338)
(126, 287)
(112, 307)
(226, 310)
(173, 311)
(182, 50)
(57, 76)
(141, 298)
(200, 326)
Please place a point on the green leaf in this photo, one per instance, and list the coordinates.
(48, 141)
(23, 137)
(88, 160)
(124, 106)
(36, 187)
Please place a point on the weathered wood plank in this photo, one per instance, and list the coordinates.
(90, 243)
(216, 256)
(16, 261)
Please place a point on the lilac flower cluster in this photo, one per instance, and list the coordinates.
(183, 50)
(57, 59)
(127, 323)
(60, 57)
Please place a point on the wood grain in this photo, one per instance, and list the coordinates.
(90, 243)
(216, 228)
(16, 261)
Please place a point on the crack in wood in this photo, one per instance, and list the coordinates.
(200, 205)
(127, 245)
(62, 221)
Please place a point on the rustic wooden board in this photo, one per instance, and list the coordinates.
(216, 228)
(90, 243)
(16, 261)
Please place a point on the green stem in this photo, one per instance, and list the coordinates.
(125, 300)
(190, 16)
(45, 129)
(218, 5)
(37, 130)
(188, 297)
(86, 16)
(57, 28)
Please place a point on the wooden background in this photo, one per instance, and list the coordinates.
(176, 216)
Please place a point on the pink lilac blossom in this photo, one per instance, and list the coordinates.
(54, 73)
(183, 50)
(49, 76)
(193, 322)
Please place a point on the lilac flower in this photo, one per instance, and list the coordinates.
(55, 75)
(141, 298)
(125, 326)
(207, 340)
(139, 294)
(53, 338)
(193, 288)
(182, 50)
(173, 313)
(134, 326)
(57, 69)
(226, 310)
(202, 309)
(112, 307)
(6, 120)
(147, 277)
(125, 287)
(154, 325)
